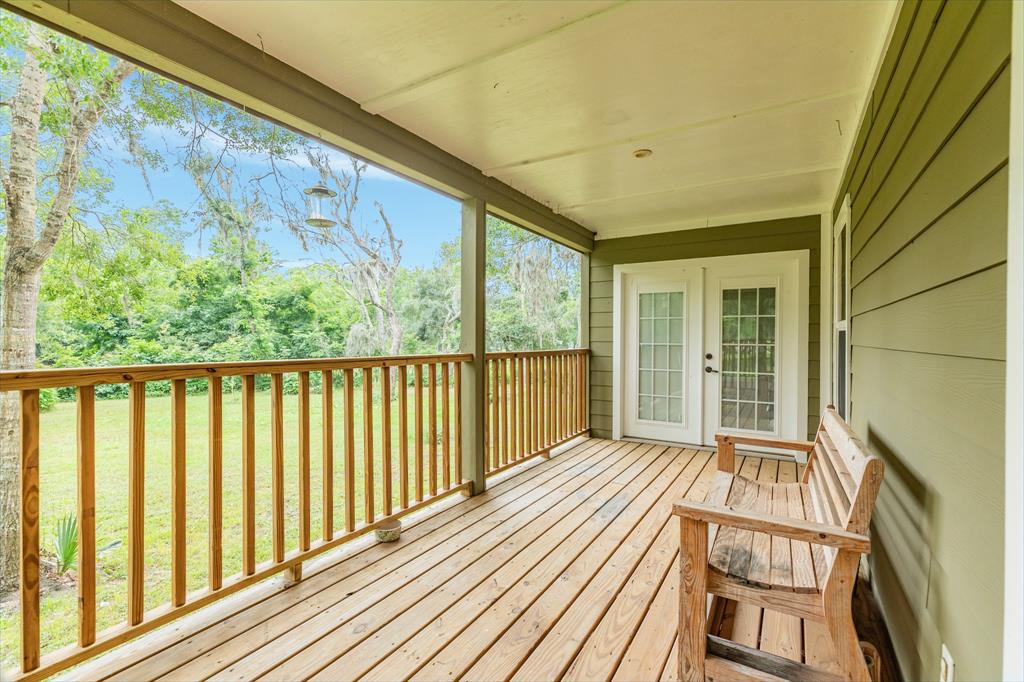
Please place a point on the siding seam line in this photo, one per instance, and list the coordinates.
(855, 194)
(942, 285)
(974, 104)
(966, 195)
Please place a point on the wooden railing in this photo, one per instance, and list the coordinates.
(431, 469)
(536, 402)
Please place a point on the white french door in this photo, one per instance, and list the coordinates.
(662, 329)
(711, 346)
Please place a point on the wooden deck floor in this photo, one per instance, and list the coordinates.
(566, 569)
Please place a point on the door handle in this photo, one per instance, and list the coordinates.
(708, 370)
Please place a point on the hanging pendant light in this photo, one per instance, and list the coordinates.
(316, 216)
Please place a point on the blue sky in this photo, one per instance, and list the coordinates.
(422, 218)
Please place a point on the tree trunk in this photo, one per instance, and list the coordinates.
(20, 296)
(17, 351)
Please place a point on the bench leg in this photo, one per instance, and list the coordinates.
(726, 454)
(838, 598)
(693, 598)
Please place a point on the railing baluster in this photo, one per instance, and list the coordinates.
(576, 393)
(495, 445)
(521, 402)
(535, 379)
(368, 509)
(418, 407)
(403, 435)
(487, 415)
(528, 405)
(458, 422)
(552, 413)
(562, 396)
(385, 437)
(513, 379)
(446, 453)
(582, 388)
(248, 474)
(178, 519)
(573, 395)
(563, 361)
(432, 428)
(216, 466)
(304, 492)
(503, 386)
(29, 576)
(586, 391)
(327, 452)
(86, 515)
(136, 499)
(350, 451)
(277, 465)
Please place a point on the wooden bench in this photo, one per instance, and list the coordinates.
(791, 547)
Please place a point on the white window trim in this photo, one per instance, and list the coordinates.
(841, 230)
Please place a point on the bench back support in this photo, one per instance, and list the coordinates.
(842, 475)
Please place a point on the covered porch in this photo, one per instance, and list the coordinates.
(779, 206)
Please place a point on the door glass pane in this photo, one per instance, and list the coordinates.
(749, 329)
(662, 356)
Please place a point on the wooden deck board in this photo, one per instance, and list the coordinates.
(566, 569)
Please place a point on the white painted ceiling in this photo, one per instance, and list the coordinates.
(749, 107)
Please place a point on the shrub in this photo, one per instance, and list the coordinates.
(47, 399)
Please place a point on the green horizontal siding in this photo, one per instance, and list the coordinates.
(789, 234)
(929, 194)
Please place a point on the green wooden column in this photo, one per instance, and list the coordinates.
(473, 302)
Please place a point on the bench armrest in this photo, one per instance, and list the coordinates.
(798, 445)
(783, 526)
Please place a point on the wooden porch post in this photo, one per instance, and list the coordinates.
(474, 400)
(584, 335)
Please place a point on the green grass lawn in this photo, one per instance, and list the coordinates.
(58, 476)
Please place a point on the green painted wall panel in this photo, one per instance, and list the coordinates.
(963, 102)
(886, 106)
(928, 329)
(960, 243)
(936, 510)
(789, 234)
(966, 318)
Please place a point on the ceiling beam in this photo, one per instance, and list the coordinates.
(167, 38)
(647, 136)
(724, 182)
(405, 93)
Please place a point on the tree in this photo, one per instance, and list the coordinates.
(532, 290)
(62, 93)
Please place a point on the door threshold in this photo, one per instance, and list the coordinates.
(768, 453)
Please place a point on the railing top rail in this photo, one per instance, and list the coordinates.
(536, 353)
(16, 380)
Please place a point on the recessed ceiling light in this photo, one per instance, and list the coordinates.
(642, 153)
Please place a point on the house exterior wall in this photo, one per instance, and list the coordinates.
(928, 182)
(787, 234)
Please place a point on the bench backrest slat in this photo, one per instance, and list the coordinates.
(843, 475)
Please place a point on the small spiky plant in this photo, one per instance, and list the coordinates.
(65, 543)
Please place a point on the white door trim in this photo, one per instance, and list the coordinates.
(620, 274)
